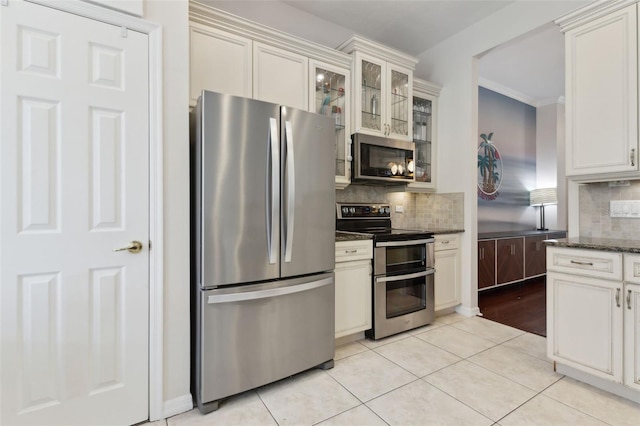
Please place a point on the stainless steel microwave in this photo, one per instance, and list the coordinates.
(382, 160)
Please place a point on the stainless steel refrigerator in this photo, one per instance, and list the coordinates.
(263, 237)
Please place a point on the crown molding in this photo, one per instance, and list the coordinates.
(518, 96)
(426, 86)
(361, 44)
(591, 12)
(506, 91)
(215, 18)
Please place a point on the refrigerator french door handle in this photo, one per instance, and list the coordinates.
(265, 294)
(273, 189)
(291, 193)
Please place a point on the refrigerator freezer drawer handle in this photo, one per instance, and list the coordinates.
(265, 294)
(291, 193)
(273, 190)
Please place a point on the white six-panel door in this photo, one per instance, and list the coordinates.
(74, 186)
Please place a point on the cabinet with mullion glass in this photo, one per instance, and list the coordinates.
(330, 96)
(383, 86)
(424, 110)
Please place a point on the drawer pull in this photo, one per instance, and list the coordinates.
(446, 242)
(351, 251)
(628, 299)
(618, 297)
(582, 263)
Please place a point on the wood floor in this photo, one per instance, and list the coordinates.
(521, 305)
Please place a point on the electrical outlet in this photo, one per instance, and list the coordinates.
(399, 209)
(625, 208)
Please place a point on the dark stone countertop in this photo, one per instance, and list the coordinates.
(437, 231)
(603, 244)
(521, 233)
(352, 236)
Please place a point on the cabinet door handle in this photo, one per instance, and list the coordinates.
(351, 251)
(582, 263)
(481, 253)
(628, 299)
(618, 297)
(633, 157)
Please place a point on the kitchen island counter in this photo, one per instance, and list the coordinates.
(509, 234)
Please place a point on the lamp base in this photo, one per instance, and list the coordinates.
(542, 229)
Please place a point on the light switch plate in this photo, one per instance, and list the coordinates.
(625, 208)
(399, 209)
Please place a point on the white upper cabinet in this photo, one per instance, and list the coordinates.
(280, 76)
(209, 48)
(383, 85)
(601, 50)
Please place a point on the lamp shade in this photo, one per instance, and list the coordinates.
(543, 197)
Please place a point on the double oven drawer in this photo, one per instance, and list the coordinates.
(394, 257)
(403, 286)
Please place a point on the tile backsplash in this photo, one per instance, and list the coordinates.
(595, 220)
(428, 211)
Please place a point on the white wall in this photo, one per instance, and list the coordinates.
(453, 64)
(549, 174)
(173, 15)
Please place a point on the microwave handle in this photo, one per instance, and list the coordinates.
(405, 277)
(405, 243)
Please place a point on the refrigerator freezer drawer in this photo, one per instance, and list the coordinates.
(257, 334)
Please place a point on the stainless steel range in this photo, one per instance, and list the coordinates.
(403, 289)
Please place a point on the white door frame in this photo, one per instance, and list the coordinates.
(156, 270)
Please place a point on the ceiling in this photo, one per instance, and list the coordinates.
(410, 26)
(530, 68)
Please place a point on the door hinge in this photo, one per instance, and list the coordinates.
(123, 31)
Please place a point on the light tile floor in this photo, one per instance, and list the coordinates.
(457, 371)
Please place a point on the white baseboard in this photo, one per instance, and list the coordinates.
(467, 312)
(177, 405)
(606, 385)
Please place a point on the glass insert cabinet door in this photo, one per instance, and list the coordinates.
(400, 103)
(384, 102)
(371, 107)
(330, 97)
(422, 125)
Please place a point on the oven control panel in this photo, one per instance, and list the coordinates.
(363, 211)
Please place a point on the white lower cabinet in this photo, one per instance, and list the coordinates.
(632, 320)
(584, 324)
(353, 286)
(593, 313)
(632, 336)
(447, 277)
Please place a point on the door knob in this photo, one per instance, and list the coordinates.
(133, 247)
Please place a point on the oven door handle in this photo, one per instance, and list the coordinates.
(404, 243)
(405, 277)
